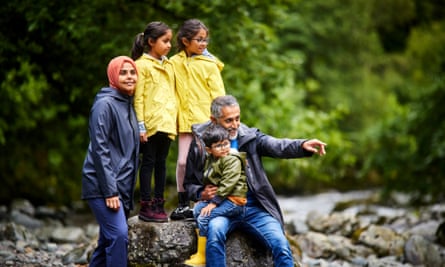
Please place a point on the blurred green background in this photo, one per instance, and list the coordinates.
(365, 76)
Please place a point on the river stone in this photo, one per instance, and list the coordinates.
(425, 229)
(79, 255)
(421, 251)
(15, 232)
(23, 205)
(383, 240)
(171, 243)
(334, 223)
(319, 245)
(25, 220)
(70, 234)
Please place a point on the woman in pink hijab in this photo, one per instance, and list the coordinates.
(111, 164)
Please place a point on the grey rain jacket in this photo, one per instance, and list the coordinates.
(111, 163)
(256, 145)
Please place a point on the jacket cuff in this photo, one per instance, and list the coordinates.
(305, 152)
(217, 200)
(115, 194)
(141, 126)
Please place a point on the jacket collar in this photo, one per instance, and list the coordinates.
(203, 57)
(245, 134)
(147, 56)
(108, 91)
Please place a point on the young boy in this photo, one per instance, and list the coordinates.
(225, 169)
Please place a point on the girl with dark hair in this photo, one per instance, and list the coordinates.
(156, 111)
(198, 82)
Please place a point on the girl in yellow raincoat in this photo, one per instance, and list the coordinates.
(156, 111)
(198, 82)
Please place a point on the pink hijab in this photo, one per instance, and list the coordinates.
(114, 68)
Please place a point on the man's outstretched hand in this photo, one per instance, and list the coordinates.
(315, 146)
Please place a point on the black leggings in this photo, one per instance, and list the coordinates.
(154, 156)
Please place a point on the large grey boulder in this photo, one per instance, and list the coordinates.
(171, 243)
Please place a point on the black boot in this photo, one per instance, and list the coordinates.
(183, 211)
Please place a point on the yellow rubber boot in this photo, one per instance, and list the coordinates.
(199, 258)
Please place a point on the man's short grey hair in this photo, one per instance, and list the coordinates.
(222, 101)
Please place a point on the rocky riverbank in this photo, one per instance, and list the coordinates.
(330, 229)
(354, 229)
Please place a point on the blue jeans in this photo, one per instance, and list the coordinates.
(256, 222)
(225, 208)
(113, 235)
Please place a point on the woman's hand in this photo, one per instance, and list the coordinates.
(113, 203)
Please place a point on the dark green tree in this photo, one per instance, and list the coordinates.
(364, 76)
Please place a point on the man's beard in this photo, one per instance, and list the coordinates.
(233, 135)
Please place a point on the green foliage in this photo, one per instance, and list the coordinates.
(411, 152)
(411, 149)
(349, 48)
(364, 76)
(24, 88)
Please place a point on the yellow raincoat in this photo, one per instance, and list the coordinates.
(154, 99)
(198, 82)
